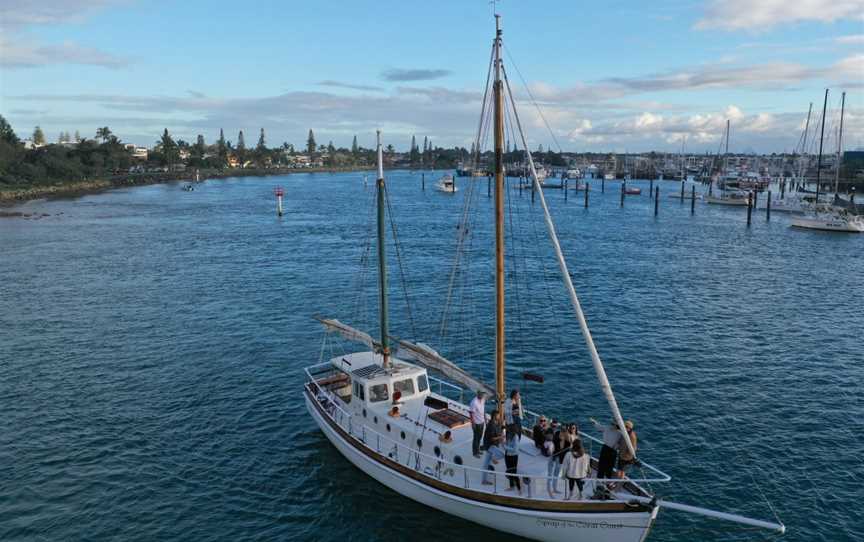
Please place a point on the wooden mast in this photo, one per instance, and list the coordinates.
(382, 260)
(498, 95)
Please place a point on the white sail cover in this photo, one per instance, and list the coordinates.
(433, 360)
(348, 332)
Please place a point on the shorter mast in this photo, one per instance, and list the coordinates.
(839, 146)
(803, 166)
(821, 140)
(382, 261)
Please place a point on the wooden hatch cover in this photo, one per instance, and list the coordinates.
(450, 418)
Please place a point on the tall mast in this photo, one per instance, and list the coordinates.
(821, 140)
(382, 259)
(803, 168)
(498, 95)
(839, 145)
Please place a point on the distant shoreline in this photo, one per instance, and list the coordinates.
(74, 189)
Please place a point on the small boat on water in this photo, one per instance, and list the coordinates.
(609, 177)
(632, 190)
(447, 184)
(188, 188)
(837, 220)
(728, 197)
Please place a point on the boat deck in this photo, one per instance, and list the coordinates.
(413, 440)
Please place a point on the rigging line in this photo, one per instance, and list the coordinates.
(571, 290)
(514, 241)
(460, 239)
(483, 110)
(536, 105)
(359, 278)
(398, 251)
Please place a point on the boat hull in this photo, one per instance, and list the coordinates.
(837, 225)
(726, 201)
(533, 524)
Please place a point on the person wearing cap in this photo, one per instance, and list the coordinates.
(625, 458)
(609, 451)
(477, 409)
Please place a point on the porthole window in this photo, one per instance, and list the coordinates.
(457, 459)
(437, 451)
(419, 443)
(402, 434)
(388, 427)
(375, 419)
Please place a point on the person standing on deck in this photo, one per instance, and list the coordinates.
(625, 458)
(494, 439)
(513, 413)
(477, 409)
(511, 456)
(609, 452)
(575, 469)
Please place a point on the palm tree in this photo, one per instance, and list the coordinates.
(103, 133)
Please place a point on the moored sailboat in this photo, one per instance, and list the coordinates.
(382, 413)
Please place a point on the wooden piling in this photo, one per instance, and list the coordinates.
(755, 198)
(423, 181)
(749, 207)
(656, 200)
(651, 188)
(533, 189)
(782, 189)
(768, 207)
(693, 200)
(603, 186)
(682, 191)
(564, 184)
(587, 189)
(489, 187)
(622, 194)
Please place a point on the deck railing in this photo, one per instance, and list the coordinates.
(437, 466)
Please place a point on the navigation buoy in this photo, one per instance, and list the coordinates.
(279, 193)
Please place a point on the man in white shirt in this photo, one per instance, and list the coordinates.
(477, 409)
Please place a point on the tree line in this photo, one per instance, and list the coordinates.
(75, 158)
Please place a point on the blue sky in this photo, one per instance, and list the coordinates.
(610, 75)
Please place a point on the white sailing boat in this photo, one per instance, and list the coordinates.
(828, 217)
(727, 183)
(447, 184)
(839, 220)
(382, 414)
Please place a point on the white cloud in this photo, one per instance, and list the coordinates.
(20, 13)
(851, 39)
(763, 14)
(25, 55)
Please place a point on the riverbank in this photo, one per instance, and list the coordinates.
(74, 189)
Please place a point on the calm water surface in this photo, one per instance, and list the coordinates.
(152, 343)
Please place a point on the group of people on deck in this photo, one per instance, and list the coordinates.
(560, 443)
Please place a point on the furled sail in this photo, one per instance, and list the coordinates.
(348, 332)
(433, 360)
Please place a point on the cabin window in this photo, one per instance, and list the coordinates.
(358, 391)
(378, 393)
(422, 383)
(405, 386)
